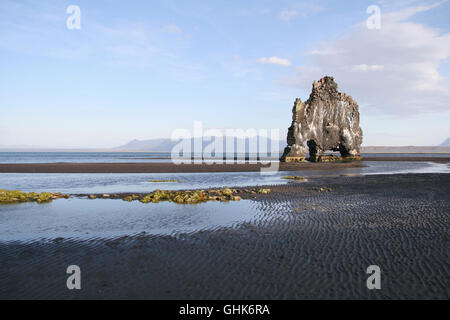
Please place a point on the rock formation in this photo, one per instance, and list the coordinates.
(328, 120)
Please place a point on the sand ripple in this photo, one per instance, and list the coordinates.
(303, 244)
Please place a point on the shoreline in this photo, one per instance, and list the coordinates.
(163, 167)
(168, 167)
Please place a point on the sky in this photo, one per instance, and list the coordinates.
(142, 69)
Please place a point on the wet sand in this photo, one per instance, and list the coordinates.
(168, 167)
(415, 159)
(161, 167)
(306, 245)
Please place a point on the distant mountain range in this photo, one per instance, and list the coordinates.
(166, 145)
(154, 145)
(446, 143)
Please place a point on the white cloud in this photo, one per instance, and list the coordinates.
(42, 27)
(288, 15)
(274, 60)
(393, 70)
(364, 67)
(300, 9)
(409, 12)
(172, 28)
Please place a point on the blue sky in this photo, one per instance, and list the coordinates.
(141, 69)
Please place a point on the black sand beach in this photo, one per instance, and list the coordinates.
(165, 167)
(415, 159)
(169, 167)
(308, 245)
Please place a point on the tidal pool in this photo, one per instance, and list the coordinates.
(87, 219)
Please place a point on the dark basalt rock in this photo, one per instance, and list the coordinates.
(328, 120)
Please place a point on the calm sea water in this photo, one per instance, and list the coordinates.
(81, 157)
(88, 219)
(108, 157)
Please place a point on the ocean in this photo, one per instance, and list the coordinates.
(111, 157)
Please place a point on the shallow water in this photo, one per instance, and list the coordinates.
(384, 167)
(140, 183)
(381, 167)
(84, 219)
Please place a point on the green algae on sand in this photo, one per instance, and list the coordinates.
(191, 196)
(17, 196)
(297, 178)
(186, 197)
(322, 189)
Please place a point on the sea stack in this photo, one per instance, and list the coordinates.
(328, 120)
